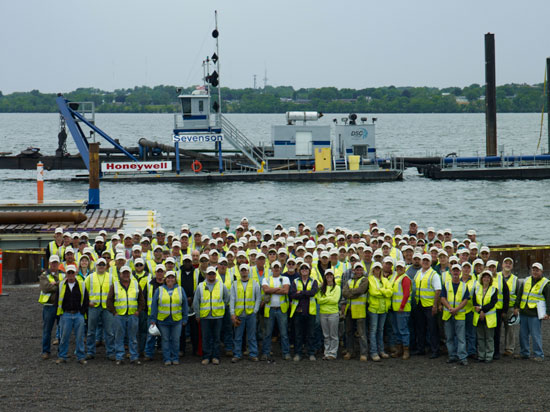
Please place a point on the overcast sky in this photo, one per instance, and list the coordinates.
(59, 45)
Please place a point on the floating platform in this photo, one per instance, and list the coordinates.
(370, 175)
(487, 173)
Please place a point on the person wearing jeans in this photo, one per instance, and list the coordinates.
(380, 293)
(328, 298)
(125, 301)
(454, 297)
(72, 304)
(401, 310)
(152, 286)
(276, 290)
(169, 311)
(531, 293)
(244, 303)
(209, 303)
(303, 311)
(98, 284)
(49, 287)
(485, 299)
(354, 309)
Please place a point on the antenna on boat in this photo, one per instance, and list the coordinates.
(216, 61)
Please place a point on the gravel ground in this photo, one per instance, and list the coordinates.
(29, 383)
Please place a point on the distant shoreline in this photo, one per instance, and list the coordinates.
(511, 98)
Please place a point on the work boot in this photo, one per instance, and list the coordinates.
(375, 357)
(384, 355)
(363, 358)
(406, 354)
(393, 351)
(347, 356)
(398, 352)
(45, 356)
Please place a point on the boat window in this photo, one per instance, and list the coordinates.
(201, 106)
(186, 107)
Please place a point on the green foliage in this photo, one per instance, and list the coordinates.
(390, 99)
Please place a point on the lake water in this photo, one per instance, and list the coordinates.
(502, 212)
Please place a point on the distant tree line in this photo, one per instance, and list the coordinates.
(518, 98)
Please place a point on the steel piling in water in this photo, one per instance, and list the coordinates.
(490, 96)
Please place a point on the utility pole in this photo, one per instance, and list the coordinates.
(265, 78)
(254, 82)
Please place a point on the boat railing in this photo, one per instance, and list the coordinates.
(238, 140)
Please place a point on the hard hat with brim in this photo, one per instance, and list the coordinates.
(537, 265)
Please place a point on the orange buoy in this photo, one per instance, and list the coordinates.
(196, 166)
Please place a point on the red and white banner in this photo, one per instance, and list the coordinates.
(117, 167)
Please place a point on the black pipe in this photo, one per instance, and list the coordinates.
(490, 96)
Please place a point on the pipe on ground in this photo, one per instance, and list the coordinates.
(41, 217)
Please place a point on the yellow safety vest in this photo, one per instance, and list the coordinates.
(170, 304)
(532, 294)
(338, 272)
(62, 288)
(425, 293)
(470, 284)
(45, 297)
(245, 298)
(380, 293)
(54, 248)
(358, 305)
(126, 301)
(143, 278)
(227, 281)
(491, 316)
(397, 294)
(312, 302)
(212, 301)
(498, 283)
(455, 300)
(98, 290)
(284, 303)
(512, 283)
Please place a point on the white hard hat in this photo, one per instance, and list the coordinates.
(154, 330)
(310, 244)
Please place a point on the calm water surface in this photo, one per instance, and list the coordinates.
(502, 212)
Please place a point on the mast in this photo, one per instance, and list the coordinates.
(216, 36)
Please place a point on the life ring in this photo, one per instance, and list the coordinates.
(196, 166)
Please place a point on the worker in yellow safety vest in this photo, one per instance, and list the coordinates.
(485, 316)
(503, 303)
(354, 309)
(428, 289)
(49, 287)
(510, 331)
(401, 310)
(125, 301)
(209, 304)
(72, 304)
(454, 298)
(303, 311)
(98, 285)
(169, 312)
(244, 304)
(533, 303)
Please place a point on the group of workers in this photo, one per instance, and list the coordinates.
(322, 292)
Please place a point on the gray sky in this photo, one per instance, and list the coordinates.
(64, 44)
